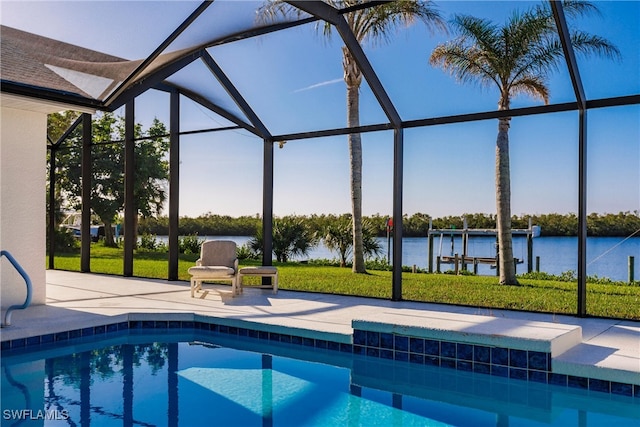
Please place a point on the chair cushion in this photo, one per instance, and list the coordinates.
(258, 270)
(218, 252)
(214, 271)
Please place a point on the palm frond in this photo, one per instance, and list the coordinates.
(473, 56)
(465, 63)
(577, 8)
(478, 31)
(541, 59)
(519, 55)
(571, 9)
(586, 44)
(533, 85)
(376, 24)
(273, 10)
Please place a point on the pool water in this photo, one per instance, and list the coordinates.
(164, 380)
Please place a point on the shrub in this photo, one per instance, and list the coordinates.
(65, 241)
(460, 272)
(538, 275)
(380, 264)
(570, 276)
(190, 244)
(149, 242)
(245, 252)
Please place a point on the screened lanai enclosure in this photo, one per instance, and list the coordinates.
(260, 117)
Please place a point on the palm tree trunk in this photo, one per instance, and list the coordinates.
(353, 78)
(503, 206)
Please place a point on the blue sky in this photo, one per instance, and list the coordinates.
(293, 80)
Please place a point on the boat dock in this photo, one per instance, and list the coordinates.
(461, 261)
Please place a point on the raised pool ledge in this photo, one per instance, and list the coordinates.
(552, 338)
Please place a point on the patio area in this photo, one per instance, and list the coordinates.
(603, 349)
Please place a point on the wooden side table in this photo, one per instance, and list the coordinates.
(262, 271)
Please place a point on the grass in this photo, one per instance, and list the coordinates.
(549, 296)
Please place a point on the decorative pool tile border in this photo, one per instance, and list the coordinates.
(64, 336)
(498, 361)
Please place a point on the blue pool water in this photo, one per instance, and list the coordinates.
(197, 379)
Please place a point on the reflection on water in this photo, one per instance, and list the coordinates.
(198, 383)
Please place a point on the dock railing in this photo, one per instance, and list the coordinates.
(27, 280)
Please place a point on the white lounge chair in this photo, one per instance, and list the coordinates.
(218, 261)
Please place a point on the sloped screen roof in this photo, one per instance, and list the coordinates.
(203, 50)
(40, 66)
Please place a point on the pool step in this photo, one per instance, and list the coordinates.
(598, 362)
(551, 338)
(568, 356)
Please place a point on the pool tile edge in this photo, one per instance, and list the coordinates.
(377, 347)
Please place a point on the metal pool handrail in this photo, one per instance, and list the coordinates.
(27, 280)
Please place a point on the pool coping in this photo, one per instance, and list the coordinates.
(410, 345)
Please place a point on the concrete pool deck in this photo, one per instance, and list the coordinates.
(606, 349)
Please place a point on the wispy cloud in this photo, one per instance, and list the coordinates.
(317, 85)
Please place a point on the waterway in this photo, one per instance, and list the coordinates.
(606, 256)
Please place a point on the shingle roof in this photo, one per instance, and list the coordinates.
(32, 60)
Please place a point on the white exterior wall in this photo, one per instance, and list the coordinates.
(22, 202)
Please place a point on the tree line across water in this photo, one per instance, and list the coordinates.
(622, 224)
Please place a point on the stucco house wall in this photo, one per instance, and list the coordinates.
(23, 202)
(23, 153)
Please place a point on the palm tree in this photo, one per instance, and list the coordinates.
(338, 236)
(373, 24)
(517, 57)
(291, 237)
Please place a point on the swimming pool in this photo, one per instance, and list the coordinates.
(194, 378)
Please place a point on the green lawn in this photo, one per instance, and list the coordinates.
(603, 300)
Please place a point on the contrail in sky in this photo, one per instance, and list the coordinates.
(317, 85)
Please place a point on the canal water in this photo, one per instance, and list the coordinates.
(606, 256)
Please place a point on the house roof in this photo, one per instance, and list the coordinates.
(48, 68)
(48, 65)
